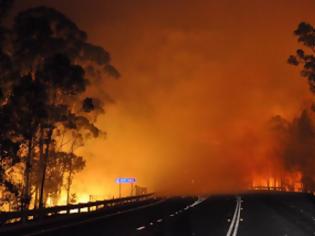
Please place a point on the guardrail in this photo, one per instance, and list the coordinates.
(280, 189)
(31, 215)
(268, 188)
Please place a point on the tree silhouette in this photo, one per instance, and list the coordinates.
(300, 153)
(46, 67)
(27, 109)
(306, 35)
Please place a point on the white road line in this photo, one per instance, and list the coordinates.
(141, 228)
(200, 200)
(197, 202)
(233, 228)
(238, 218)
(233, 219)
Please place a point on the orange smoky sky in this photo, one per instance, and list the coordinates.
(200, 79)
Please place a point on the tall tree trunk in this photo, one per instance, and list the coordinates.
(70, 172)
(41, 159)
(26, 197)
(27, 173)
(45, 161)
(69, 181)
(36, 197)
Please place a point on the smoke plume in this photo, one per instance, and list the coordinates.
(199, 82)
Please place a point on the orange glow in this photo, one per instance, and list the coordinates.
(289, 182)
(200, 80)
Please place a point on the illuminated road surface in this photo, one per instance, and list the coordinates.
(256, 214)
(251, 214)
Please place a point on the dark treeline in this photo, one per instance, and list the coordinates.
(297, 137)
(295, 148)
(46, 109)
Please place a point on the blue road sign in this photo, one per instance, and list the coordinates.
(125, 180)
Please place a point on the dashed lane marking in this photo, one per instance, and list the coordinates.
(197, 202)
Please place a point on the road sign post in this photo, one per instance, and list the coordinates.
(121, 181)
(119, 190)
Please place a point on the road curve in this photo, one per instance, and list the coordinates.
(259, 213)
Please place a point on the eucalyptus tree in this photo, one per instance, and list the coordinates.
(46, 68)
(305, 58)
(55, 53)
(303, 157)
(9, 142)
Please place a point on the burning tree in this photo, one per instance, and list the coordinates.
(46, 66)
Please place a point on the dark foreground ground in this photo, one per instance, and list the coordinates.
(250, 214)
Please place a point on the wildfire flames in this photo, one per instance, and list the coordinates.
(289, 182)
(202, 106)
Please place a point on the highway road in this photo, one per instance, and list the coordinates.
(259, 213)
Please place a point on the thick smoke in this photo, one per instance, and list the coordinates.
(199, 81)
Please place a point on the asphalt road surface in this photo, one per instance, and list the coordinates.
(260, 213)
